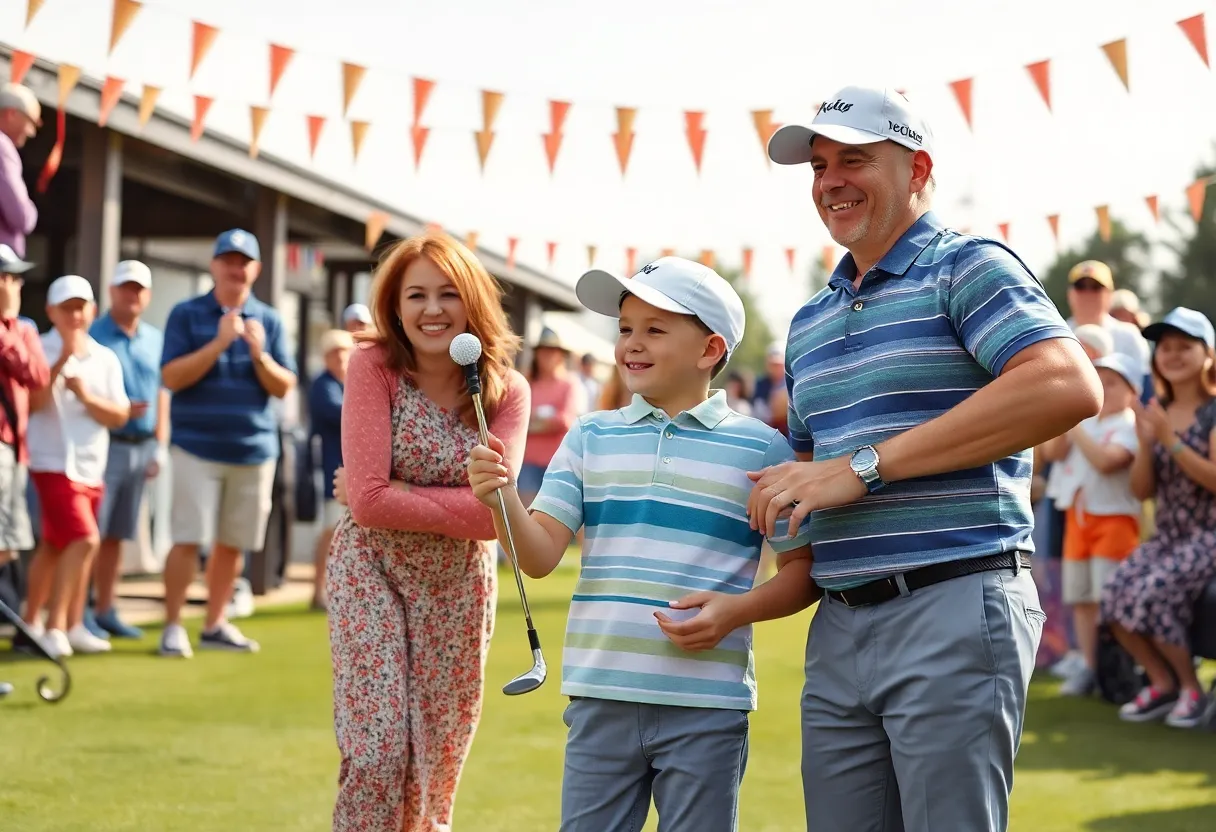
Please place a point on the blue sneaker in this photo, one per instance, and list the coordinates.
(90, 623)
(110, 623)
(227, 637)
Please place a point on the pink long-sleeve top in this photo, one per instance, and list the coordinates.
(367, 447)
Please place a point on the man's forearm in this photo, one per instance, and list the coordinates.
(185, 371)
(274, 378)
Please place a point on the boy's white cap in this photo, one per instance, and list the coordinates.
(854, 115)
(357, 312)
(1124, 366)
(676, 285)
(69, 287)
(132, 271)
(1096, 336)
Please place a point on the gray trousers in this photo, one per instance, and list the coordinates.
(912, 710)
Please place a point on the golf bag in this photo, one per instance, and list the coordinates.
(1119, 679)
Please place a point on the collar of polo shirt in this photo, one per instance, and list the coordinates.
(709, 413)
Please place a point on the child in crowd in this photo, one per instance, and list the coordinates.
(659, 698)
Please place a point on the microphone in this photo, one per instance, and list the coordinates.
(465, 350)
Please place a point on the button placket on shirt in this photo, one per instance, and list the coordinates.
(665, 455)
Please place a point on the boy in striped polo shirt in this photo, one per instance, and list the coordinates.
(658, 661)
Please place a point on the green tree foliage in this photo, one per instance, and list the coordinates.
(1192, 282)
(756, 337)
(1126, 252)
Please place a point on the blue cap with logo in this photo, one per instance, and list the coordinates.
(1188, 322)
(675, 285)
(240, 241)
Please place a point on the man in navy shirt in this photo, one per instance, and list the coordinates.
(225, 358)
(137, 448)
(325, 417)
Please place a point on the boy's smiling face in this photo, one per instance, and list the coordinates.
(664, 354)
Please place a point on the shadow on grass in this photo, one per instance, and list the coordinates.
(1194, 819)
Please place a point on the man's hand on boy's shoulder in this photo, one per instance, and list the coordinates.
(718, 615)
(804, 487)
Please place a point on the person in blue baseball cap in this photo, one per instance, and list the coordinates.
(238, 241)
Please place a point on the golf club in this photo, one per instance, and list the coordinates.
(465, 351)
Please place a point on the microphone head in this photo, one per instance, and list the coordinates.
(465, 349)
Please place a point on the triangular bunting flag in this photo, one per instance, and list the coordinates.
(1003, 227)
(962, 93)
(485, 140)
(512, 244)
(124, 13)
(590, 256)
(377, 221)
(31, 9)
(147, 104)
(1053, 220)
(257, 120)
(201, 105)
(668, 252)
(490, 104)
(315, 125)
(828, 256)
(352, 77)
(1196, 33)
(623, 137)
(470, 241)
(748, 255)
(200, 44)
(1116, 53)
(765, 128)
(1195, 193)
(1153, 207)
(418, 135)
(433, 228)
(422, 94)
(1103, 212)
(280, 57)
(696, 136)
(552, 250)
(69, 76)
(19, 64)
(1040, 73)
(631, 261)
(55, 157)
(111, 92)
(553, 139)
(707, 258)
(789, 257)
(358, 132)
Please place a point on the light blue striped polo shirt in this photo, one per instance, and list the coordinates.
(933, 322)
(664, 502)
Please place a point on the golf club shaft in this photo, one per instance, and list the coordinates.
(502, 508)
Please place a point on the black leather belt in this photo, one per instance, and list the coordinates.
(127, 439)
(876, 592)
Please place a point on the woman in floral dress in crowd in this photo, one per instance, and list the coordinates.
(1149, 600)
(411, 580)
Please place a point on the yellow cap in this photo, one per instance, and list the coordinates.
(1094, 270)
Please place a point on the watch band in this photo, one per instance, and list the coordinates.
(1178, 447)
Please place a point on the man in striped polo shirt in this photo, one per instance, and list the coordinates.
(657, 660)
(919, 379)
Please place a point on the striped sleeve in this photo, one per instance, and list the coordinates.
(779, 451)
(561, 491)
(800, 436)
(997, 306)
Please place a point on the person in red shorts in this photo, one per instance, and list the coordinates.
(69, 440)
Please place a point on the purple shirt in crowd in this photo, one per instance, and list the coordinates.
(18, 216)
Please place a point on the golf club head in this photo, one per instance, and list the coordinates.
(530, 681)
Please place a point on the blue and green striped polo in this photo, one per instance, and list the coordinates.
(932, 323)
(664, 503)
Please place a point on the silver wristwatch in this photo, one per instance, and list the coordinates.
(864, 463)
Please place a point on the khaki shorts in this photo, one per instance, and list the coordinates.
(1083, 579)
(232, 500)
(16, 533)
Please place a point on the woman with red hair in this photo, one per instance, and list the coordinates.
(411, 580)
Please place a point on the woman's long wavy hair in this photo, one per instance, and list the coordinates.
(1207, 377)
(482, 298)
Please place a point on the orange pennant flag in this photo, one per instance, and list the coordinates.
(552, 249)
(257, 120)
(1153, 207)
(19, 65)
(1116, 53)
(124, 13)
(1195, 193)
(1040, 73)
(1054, 221)
(358, 132)
(1196, 33)
(748, 255)
(631, 261)
(789, 257)
(962, 93)
(490, 104)
(829, 258)
(418, 134)
(696, 135)
(470, 241)
(280, 57)
(512, 244)
(1103, 212)
(422, 94)
(69, 76)
(352, 77)
(623, 137)
(111, 91)
(765, 128)
(147, 104)
(377, 221)
(1004, 229)
(485, 140)
(31, 9)
(590, 256)
(200, 44)
(433, 228)
(707, 258)
(201, 105)
(668, 252)
(315, 125)
(553, 139)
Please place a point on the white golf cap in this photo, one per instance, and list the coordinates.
(69, 287)
(132, 271)
(1124, 366)
(22, 99)
(1188, 322)
(855, 115)
(675, 285)
(357, 312)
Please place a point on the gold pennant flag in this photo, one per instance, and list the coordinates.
(590, 256)
(1103, 212)
(111, 92)
(748, 256)
(485, 140)
(422, 94)
(315, 125)
(257, 120)
(707, 258)
(280, 57)
(31, 9)
(69, 76)
(490, 104)
(1116, 53)
(147, 104)
(1040, 73)
(623, 137)
(962, 93)
(352, 77)
(470, 241)
(200, 44)
(693, 128)
(358, 132)
(1153, 207)
(377, 221)
(765, 128)
(512, 244)
(124, 13)
(1195, 194)
(1054, 221)
(201, 105)
(19, 64)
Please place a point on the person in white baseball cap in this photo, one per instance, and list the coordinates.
(357, 318)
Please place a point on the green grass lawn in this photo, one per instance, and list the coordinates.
(245, 744)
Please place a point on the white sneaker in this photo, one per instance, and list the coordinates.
(1080, 684)
(84, 642)
(57, 644)
(1069, 666)
(174, 642)
(241, 605)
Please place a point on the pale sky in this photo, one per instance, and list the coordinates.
(1021, 163)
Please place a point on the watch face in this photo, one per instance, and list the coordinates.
(864, 459)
